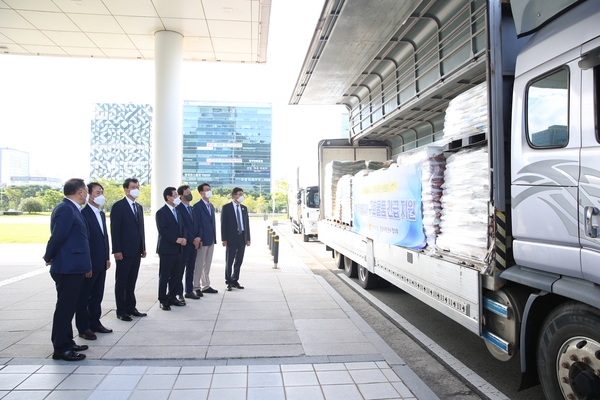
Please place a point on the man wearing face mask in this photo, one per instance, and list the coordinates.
(89, 307)
(235, 234)
(204, 212)
(129, 247)
(68, 254)
(171, 241)
(193, 242)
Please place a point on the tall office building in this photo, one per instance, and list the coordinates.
(227, 145)
(12, 163)
(120, 142)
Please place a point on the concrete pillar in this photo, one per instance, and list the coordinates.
(167, 144)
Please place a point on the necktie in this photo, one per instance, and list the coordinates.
(135, 213)
(208, 208)
(190, 211)
(175, 214)
(239, 219)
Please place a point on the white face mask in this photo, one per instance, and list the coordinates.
(208, 194)
(240, 199)
(87, 198)
(100, 200)
(134, 193)
(177, 201)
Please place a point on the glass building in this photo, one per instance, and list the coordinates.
(227, 145)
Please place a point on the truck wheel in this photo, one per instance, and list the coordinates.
(350, 268)
(339, 259)
(305, 237)
(366, 279)
(568, 353)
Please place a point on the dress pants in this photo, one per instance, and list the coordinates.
(234, 256)
(168, 276)
(89, 307)
(187, 270)
(68, 287)
(203, 262)
(126, 275)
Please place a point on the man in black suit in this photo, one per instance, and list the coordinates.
(68, 254)
(89, 308)
(171, 241)
(235, 234)
(193, 242)
(205, 217)
(129, 247)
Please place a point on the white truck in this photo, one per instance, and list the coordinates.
(303, 208)
(397, 66)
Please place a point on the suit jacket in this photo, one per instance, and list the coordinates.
(207, 226)
(229, 223)
(68, 247)
(127, 234)
(99, 247)
(189, 223)
(169, 230)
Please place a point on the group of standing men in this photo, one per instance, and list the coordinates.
(78, 254)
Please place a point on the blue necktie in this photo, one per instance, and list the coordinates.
(175, 214)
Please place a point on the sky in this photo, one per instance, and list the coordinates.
(46, 103)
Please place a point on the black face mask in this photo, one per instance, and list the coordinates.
(188, 197)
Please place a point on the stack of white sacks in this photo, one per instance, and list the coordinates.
(334, 171)
(433, 165)
(466, 114)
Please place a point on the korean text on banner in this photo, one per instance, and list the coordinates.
(387, 206)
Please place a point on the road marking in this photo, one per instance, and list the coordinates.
(24, 276)
(451, 362)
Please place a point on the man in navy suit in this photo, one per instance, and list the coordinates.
(68, 254)
(235, 234)
(193, 242)
(205, 216)
(129, 247)
(171, 241)
(89, 308)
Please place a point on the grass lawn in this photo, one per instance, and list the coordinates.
(24, 233)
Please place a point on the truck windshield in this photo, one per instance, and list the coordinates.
(312, 199)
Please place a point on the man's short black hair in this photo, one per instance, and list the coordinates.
(182, 189)
(168, 192)
(128, 181)
(92, 185)
(236, 190)
(73, 185)
(201, 187)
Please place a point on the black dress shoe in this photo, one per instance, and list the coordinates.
(237, 286)
(181, 299)
(192, 295)
(165, 306)
(124, 317)
(229, 288)
(102, 329)
(88, 335)
(210, 290)
(82, 347)
(136, 313)
(198, 292)
(176, 302)
(68, 356)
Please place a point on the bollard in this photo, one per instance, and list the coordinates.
(276, 252)
(268, 235)
(272, 241)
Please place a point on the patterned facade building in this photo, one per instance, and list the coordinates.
(120, 142)
(227, 145)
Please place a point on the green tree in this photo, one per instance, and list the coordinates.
(250, 202)
(113, 192)
(31, 205)
(145, 196)
(14, 196)
(261, 205)
(218, 201)
(51, 198)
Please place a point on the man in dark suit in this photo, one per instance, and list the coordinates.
(205, 216)
(89, 308)
(171, 241)
(235, 234)
(68, 254)
(129, 247)
(193, 242)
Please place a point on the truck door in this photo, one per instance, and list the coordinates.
(589, 179)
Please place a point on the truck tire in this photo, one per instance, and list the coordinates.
(305, 237)
(568, 352)
(350, 268)
(339, 259)
(366, 279)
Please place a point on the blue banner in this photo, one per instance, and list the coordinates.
(387, 206)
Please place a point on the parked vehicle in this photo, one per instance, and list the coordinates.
(525, 273)
(303, 208)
